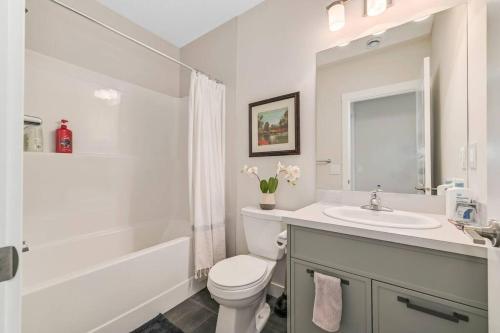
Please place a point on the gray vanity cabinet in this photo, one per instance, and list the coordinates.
(392, 288)
(397, 310)
(356, 299)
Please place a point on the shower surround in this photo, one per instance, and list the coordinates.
(101, 221)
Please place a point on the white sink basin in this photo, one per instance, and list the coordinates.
(396, 219)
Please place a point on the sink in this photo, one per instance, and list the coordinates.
(395, 219)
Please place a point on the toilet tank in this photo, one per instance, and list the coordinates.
(261, 229)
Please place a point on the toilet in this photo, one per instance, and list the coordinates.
(239, 284)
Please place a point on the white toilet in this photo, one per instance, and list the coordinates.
(239, 284)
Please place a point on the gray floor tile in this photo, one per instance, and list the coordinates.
(204, 298)
(208, 326)
(199, 315)
(188, 316)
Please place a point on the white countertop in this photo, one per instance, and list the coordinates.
(445, 238)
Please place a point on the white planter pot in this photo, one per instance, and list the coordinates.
(267, 201)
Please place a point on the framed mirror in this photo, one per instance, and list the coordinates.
(391, 108)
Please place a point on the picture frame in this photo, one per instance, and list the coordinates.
(274, 126)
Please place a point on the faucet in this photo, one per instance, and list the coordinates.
(491, 231)
(376, 201)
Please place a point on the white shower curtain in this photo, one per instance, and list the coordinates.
(206, 158)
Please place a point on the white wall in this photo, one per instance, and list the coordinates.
(127, 168)
(277, 43)
(130, 155)
(449, 93)
(494, 109)
(478, 115)
(386, 66)
(59, 33)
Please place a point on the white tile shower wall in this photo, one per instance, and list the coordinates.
(129, 162)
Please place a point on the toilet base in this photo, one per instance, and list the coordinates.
(248, 319)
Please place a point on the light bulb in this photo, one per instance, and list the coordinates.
(336, 16)
(375, 7)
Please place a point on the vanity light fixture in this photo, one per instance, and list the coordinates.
(421, 19)
(336, 15)
(375, 7)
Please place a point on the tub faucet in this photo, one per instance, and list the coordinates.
(376, 201)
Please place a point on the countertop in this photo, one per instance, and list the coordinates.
(445, 238)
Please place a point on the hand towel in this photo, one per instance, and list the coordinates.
(327, 312)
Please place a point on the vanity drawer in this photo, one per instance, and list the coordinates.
(455, 277)
(356, 299)
(397, 310)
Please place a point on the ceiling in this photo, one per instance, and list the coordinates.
(180, 21)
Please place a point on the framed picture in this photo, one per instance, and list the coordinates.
(275, 126)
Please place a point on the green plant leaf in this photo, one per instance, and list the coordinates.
(264, 186)
(273, 184)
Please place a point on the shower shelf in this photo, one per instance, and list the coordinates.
(79, 155)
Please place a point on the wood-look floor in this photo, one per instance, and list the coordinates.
(198, 314)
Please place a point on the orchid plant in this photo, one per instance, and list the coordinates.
(290, 173)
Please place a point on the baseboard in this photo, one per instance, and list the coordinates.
(161, 303)
(275, 289)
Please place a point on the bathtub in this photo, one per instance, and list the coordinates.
(112, 281)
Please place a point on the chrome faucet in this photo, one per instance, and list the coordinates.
(376, 201)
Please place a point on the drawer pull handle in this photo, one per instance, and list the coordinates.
(455, 317)
(311, 272)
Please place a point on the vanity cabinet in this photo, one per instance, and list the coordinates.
(388, 287)
(397, 310)
(356, 297)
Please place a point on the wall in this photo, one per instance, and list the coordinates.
(56, 32)
(129, 167)
(449, 93)
(125, 170)
(493, 109)
(215, 53)
(276, 45)
(478, 115)
(385, 66)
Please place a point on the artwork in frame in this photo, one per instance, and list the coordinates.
(274, 126)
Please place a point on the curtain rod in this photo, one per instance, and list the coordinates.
(138, 42)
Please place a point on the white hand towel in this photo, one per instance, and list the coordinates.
(327, 312)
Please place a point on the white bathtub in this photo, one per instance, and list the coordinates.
(112, 281)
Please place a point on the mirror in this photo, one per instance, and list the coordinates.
(391, 108)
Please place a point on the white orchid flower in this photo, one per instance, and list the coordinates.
(280, 168)
(292, 174)
(250, 170)
(253, 171)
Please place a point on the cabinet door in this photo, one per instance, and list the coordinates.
(356, 299)
(399, 310)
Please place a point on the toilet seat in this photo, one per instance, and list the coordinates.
(239, 277)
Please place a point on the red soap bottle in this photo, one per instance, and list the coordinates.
(64, 139)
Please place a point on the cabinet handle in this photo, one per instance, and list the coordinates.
(455, 317)
(311, 272)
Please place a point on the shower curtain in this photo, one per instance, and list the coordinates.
(206, 159)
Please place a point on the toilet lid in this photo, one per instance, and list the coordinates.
(238, 271)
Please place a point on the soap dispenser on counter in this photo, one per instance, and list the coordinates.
(64, 138)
